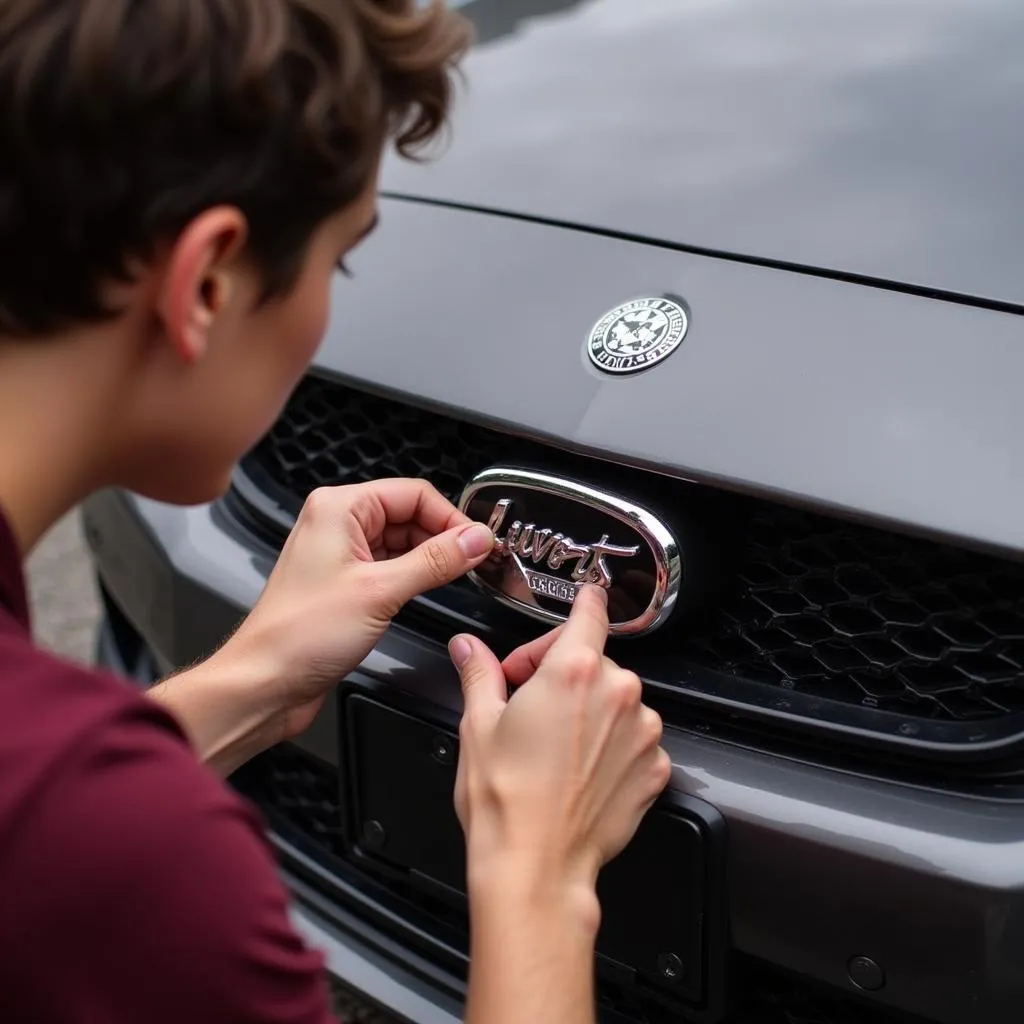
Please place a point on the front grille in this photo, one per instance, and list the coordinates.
(291, 786)
(299, 794)
(808, 605)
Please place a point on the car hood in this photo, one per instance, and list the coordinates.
(880, 138)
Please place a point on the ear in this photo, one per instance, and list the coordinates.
(198, 278)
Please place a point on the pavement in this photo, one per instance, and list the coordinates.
(65, 612)
(62, 592)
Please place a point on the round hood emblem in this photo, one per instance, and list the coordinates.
(637, 335)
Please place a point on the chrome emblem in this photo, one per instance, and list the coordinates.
(555, 536)
(637, 335)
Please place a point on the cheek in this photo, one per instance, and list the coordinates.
(289, 345)
(281, 351)
(313, 325)
(307, 318)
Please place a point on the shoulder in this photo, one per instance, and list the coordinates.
(151, 890)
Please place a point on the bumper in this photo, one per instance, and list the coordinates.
(377, 977)
(823, 866)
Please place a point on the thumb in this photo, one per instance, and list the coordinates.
(437, 561)
(484, 689)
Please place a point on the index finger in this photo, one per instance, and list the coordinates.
(587, 625)
(400, 501)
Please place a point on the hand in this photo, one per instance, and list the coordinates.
(555, 779)
(357, 554)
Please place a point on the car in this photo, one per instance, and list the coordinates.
(718, 305)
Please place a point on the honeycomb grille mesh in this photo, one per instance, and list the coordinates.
(331, 434)
(811, 604)
(871, 618)
(293, 788)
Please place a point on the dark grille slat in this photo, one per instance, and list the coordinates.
(811, 604)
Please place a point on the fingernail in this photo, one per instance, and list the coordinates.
(476, 540)
(600, 591)
(459, 650)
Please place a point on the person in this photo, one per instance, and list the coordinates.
(179, 180)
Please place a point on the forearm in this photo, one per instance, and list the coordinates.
(532, 954)
(228, 716)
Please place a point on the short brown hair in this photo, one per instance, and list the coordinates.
(121, 120)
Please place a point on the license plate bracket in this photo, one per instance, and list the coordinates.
(663, 911)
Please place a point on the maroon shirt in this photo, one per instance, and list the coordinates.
(134, 885)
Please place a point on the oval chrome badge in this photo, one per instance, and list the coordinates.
(555, 535)
(637, 335)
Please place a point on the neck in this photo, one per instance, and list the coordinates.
(56, 413)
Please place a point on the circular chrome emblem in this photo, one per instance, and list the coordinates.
(637, 335)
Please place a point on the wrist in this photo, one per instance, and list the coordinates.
(228, 707)
(527, 885)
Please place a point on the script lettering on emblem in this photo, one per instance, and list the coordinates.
(525, 542)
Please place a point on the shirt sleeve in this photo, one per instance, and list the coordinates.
(150, 892)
